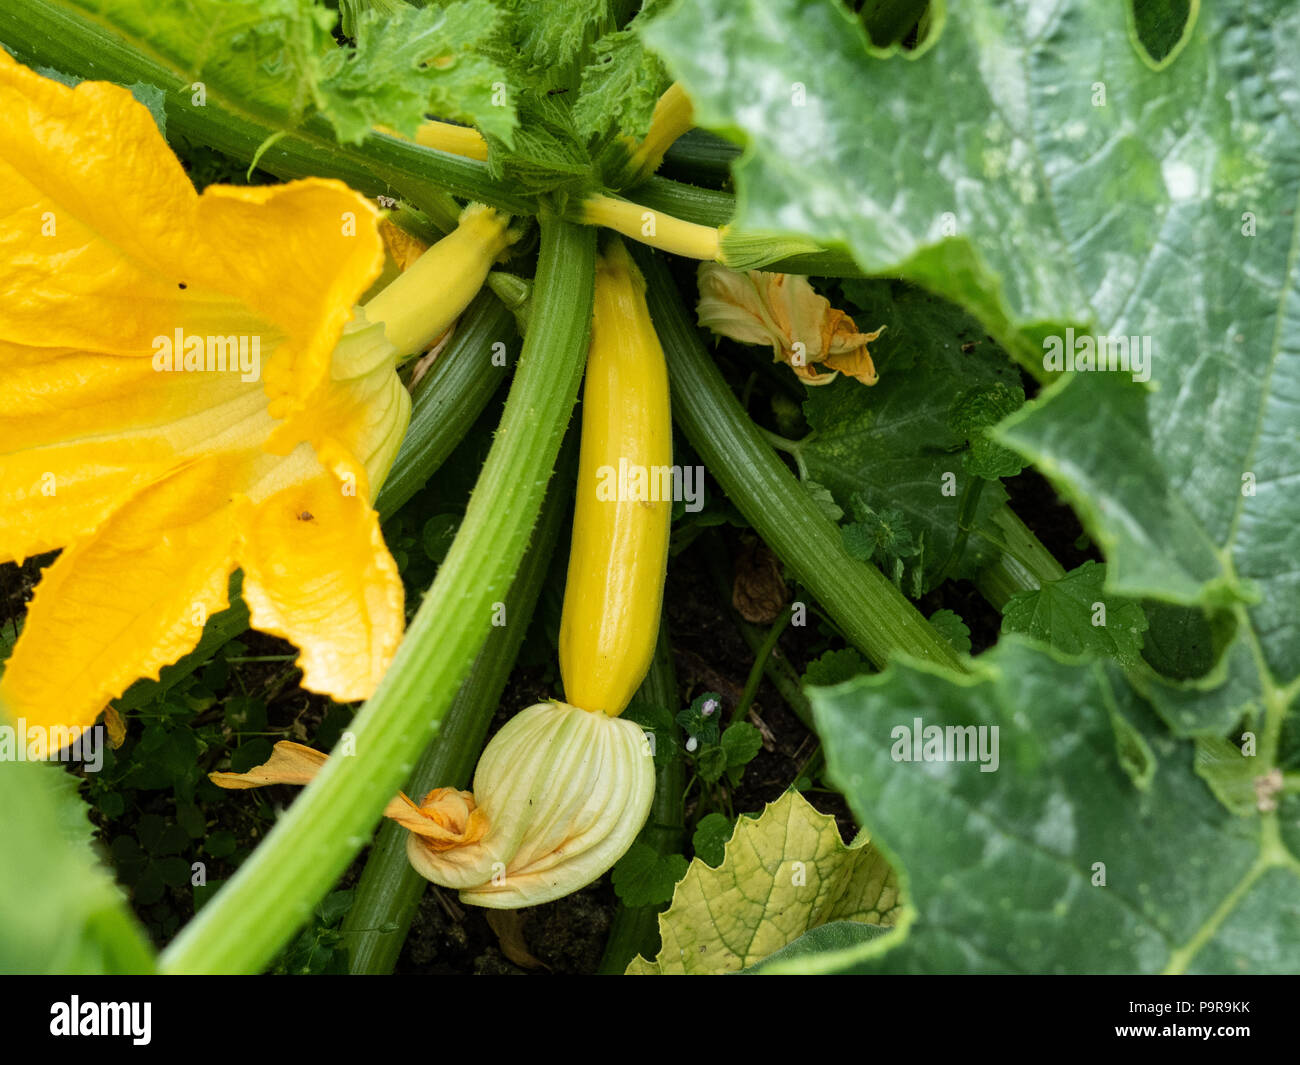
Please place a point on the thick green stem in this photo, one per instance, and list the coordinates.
(1023, 566)
(635, 929)
(875, 616)
(707, 207)
(274, 891)
(389, 892)
(702, 157)
(46, 35)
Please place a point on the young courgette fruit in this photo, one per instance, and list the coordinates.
(420, 304)
(619, 553)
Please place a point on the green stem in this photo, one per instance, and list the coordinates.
(450, 397)
(875, 616)
(389, 892)
(702, 156)
(970, 498)
(761, 656)
(274, 891)
(708, 207)
(778, 670)
(635, 929)
(46, 35)
(1024, 564)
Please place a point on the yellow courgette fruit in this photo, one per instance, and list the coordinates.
(619, 554)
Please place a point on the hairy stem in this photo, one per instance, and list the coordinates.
(390, 889)
(1024, 565)
(274, 891)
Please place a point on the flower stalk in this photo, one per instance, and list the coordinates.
(654, 228)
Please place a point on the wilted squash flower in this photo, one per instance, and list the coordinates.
(783, 310)
(186, 388)
(562, 792)
(559, 795)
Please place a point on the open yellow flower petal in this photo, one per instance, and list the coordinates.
(159, 476)
(316, 572)
(126, 601)
(106, 245)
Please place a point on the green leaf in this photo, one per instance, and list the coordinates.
(414, 62)
(949, 625)
(710, 838)
(552, 33)
(972, 415)
(711, 763)
(740, 743)
(1229, 773)
(277, 61)
(821, 941)
(835, 667)
(546, 152)
(265, 54)
(824, 499)
(622, 83)
(62, 912)
(782, 874)
(1072, 185)
(892, 444)
(644, 877)
(885, 539)
(1004, 869)
(1074, 616)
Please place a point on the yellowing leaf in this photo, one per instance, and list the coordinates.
(781, 875)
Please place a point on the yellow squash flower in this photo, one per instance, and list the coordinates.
(783, 310)
(187, 388)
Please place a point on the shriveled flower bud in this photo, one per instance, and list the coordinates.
(783, 310)
(562, 792)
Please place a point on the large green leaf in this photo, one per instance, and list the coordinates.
(1032, 164)
(60, 912)
(1072, 615)
(1004, 869)
(277, 61)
